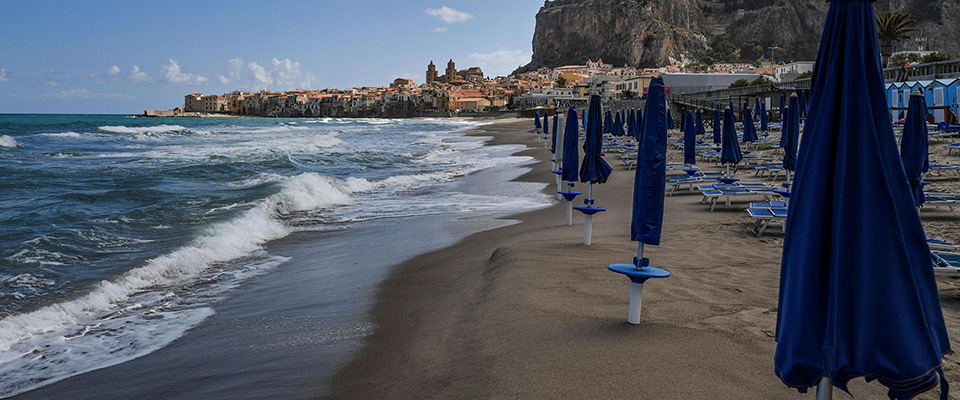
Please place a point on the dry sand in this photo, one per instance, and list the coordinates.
(528, 311)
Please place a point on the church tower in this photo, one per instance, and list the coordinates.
(451, 71)
(431, 73)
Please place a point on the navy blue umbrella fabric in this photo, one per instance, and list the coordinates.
(717, 127)
(756, 106)
(701, 130)
(553, 138)
(536, 121)
(764, 123)
(638, 132)
(858, 297)
(791, 134)
(803, 102)
(546, 126)
(683, 119)
(571, 156)
(783, 103)
(618, 125)
(646, 225)
(689, 140)
(784, 130)
(669, 120)
(749, 129)
(730, 151)
(594, 168)
(914, 147)
(607, 123)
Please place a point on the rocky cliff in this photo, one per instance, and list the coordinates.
(657, 32)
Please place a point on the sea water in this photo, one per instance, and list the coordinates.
(119, 234)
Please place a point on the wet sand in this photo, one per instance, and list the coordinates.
(528, 311)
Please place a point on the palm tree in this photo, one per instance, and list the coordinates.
(893, 28)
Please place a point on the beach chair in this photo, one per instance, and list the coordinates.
(940, 198)
(951, 147)
(946, 264)
(711, 197)
(763, 216)
(941, 245)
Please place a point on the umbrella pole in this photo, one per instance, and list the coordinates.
(569, 213)
(588, 219)
(824, 389)
(636, 292)
(559, 187)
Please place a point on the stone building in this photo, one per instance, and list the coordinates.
(431, 73)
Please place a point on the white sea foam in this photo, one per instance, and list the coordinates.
(72, 135)
(142, 129)
(7, 141)
(221, 243)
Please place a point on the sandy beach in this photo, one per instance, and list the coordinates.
(528, 311)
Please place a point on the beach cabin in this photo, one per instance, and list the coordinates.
(942, 98)
(899, 95)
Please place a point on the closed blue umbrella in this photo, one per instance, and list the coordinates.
(730, 151)
(756, 107)
(717, 126)
(784, 133)
(553, 138)
(670, 125)
(570, 162)
(791, 135)
(914, 148)
(783, 103)
(593, 169)
(764, 123)
(683, 119)
(803, 102)
(749, 129)
(689, 140)
(648, 195)
(571, 155)
(536, 122)
(639, 132)
(607, 123)
(583, 116)
(858, 297)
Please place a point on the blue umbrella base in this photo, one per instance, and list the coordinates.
(569, 195)
(557, 172)
(639, 275)
(784, 193)
(728, 181)
(589, 210)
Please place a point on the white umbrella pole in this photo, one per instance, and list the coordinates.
(588, 219)
(824, 389)
(559, 186)
(636, 292)
(728, 170)
(569, 213)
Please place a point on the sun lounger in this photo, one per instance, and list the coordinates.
(937, 244)
(946, 264)
(763, 216)
(951, 147)
(711, 197)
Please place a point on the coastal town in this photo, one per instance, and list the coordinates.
(470, 91)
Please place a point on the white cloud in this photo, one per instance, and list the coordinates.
(279, 74)
(113, 70)
(448, 15)
(500, 62)
(439, 30)
(172, 73)
(136, 75)
(51, 83)
(3, 75)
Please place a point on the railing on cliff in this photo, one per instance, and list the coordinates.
(929, 71)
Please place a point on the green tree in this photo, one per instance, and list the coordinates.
(935, 57)
(805, 75)
(739, 83)
(562, 82)
(892, 28)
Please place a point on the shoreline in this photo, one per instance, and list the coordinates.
(528, 311)
(273, 336)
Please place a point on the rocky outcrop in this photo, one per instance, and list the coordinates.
(649, 32)
(645, 33)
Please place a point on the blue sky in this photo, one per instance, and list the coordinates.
(127, 56)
